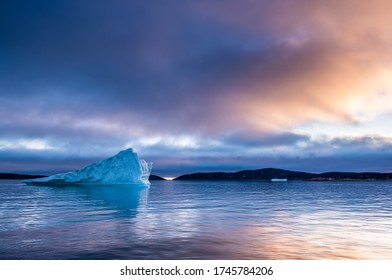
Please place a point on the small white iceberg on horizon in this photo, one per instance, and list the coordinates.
(123, 168)
(278, 180)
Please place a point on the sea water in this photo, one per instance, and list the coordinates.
(197, 220)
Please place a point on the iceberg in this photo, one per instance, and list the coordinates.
(123, 168)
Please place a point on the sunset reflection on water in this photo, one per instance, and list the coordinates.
(198, 220)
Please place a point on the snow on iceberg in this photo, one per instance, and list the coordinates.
(123, 168)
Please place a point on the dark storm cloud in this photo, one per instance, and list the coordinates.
(123, 60)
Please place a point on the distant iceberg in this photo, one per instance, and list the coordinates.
(123, 168)
(278, 180)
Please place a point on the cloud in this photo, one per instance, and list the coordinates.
(296, 62)
(351, 146)
(267, 140)
(208, 77)
(306, 60)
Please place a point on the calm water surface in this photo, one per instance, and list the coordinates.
(197, 220)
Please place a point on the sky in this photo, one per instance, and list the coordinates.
(196, 86)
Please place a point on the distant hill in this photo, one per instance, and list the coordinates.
(12, 176)
(272, 173)
(249, 175)
(155, 178)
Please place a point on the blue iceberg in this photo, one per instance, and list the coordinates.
(123, 168)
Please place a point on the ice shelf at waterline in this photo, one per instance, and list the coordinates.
(123, 168)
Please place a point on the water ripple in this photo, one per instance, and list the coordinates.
(197, 220)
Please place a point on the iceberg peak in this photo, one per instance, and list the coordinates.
(122, 168)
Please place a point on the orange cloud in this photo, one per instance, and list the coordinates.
(324, 56)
